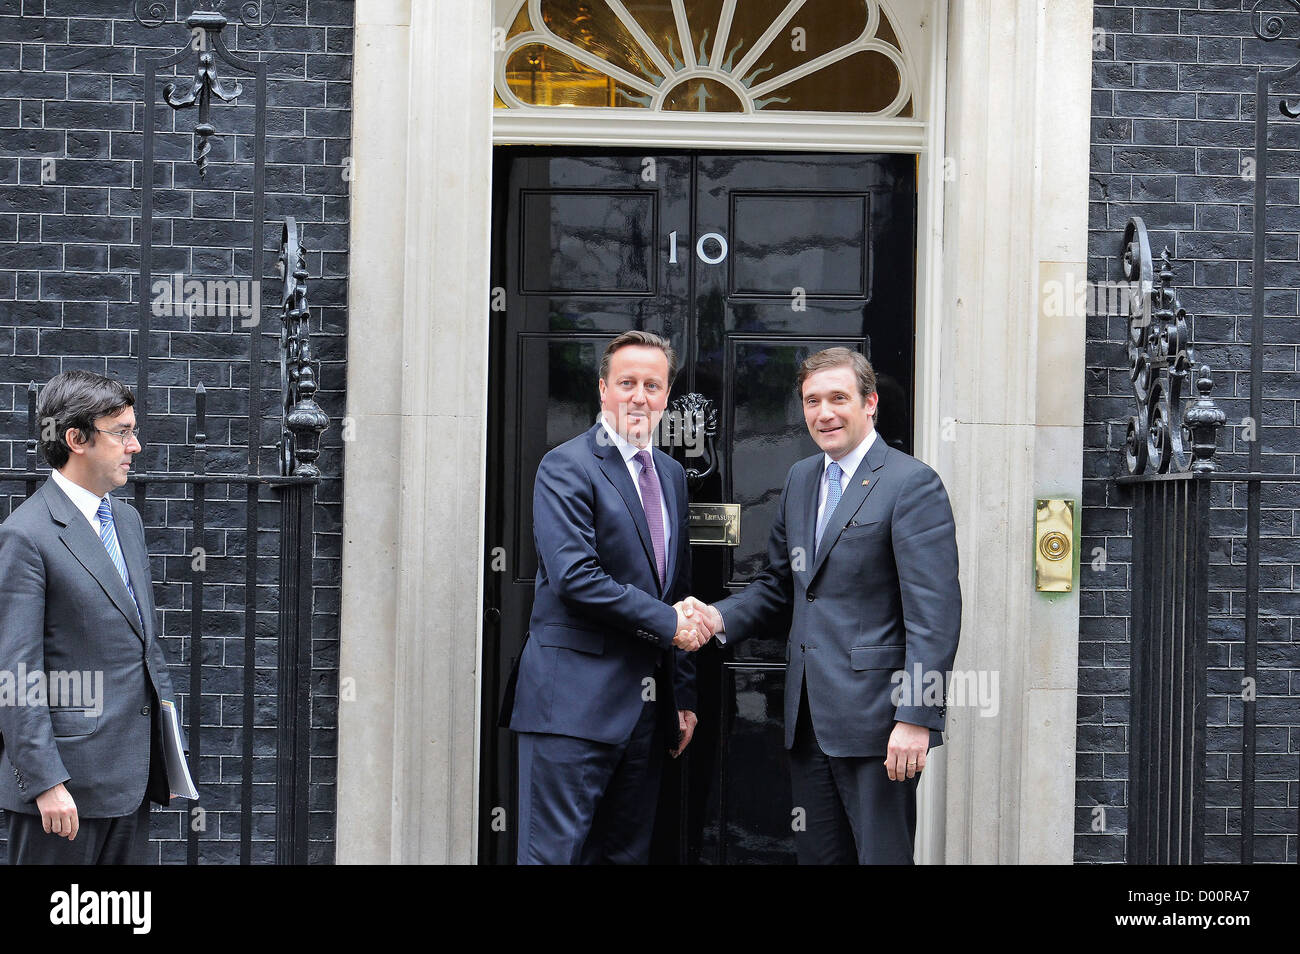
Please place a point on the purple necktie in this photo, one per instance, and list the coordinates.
(650, 500)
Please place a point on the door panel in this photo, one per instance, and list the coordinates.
(588, 242)
(552, 401)
(747, 264)
(787, 241)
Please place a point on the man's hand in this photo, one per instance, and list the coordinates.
(695, 609)
(908, 745)
(692, 631)
(686, 722)
(58, 812)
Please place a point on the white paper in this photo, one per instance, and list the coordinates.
(178, 772)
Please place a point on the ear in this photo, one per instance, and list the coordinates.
(76, 443)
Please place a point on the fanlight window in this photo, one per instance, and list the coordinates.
(717, 56)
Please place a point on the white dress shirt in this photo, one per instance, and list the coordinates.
(629, 452)
(848, 464)
(84, 500)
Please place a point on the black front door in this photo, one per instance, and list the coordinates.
(746, 263)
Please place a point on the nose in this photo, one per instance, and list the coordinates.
(138, 445)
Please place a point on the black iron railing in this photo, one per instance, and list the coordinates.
(1167, 653)
(1173, 476)
(1169, 452)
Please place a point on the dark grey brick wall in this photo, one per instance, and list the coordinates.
(70, 90)
(1172, 130)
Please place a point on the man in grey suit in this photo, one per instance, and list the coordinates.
(81, 759)
(864, 551)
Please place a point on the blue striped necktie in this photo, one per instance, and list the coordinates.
(834, 491)
(108, 534)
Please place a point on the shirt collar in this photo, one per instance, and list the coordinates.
(83, 499)
(850, 461)
(625, 447)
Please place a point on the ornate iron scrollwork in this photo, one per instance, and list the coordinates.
(255, 14)
(303, 420)
(1162, 436)
(1269, 26)
(208, 25)
(150, 13)
(692, 422)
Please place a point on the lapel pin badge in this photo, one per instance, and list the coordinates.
(865, 482)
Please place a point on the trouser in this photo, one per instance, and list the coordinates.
(99, 841)
(584, 802)
(853, 813)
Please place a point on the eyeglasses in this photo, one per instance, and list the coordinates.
(124, 436)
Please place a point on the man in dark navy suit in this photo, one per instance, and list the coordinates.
(864, 551)
(605, 685)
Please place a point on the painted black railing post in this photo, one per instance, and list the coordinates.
(198, 570)
(1169, 453)
(301, 426)
(33, 430)
(1268, 25)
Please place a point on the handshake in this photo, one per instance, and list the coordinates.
(697, 623)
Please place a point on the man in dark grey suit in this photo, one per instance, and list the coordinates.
(864, 550)
(80, 760)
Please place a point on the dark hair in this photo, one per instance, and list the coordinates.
(76, 399)
(838, 358)
(645, 339)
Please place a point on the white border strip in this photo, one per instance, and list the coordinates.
(828, 132)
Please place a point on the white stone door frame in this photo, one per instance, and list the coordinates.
(814, 132)
(411, 624)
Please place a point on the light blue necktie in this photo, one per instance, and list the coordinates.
(833, 493)
(108, 535)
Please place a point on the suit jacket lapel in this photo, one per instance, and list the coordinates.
(806, 491)
(860, 486)
(136, 553)
(675, 508)
(89, 551)
(615, 468)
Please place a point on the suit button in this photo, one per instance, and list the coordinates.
(802, 648)
(144, 710)
(811, 597)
